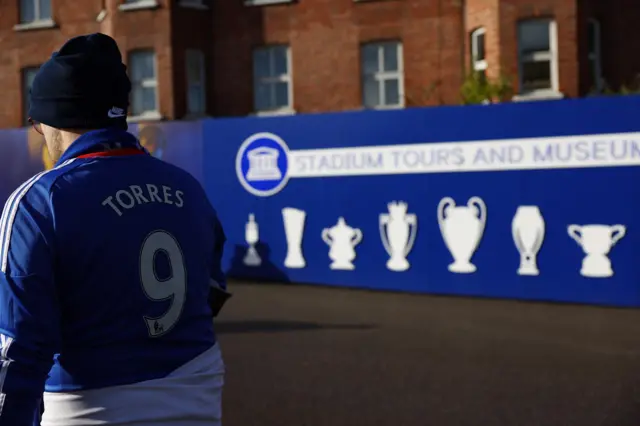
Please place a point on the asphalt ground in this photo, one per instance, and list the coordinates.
(314, 356)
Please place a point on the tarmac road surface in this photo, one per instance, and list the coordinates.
(315, 356)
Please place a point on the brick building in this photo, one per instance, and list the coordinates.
(189, 58)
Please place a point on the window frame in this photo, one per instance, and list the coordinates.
(202, 85)
(145, 83)
(38, 19)
(595, 57)
(550, 55)
(25, 90)
(273, 79)
(381, 76)
(482, 64)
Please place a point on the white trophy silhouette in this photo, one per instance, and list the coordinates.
(294, 229)
(342, 239)
(251, 235)
(596, 242)
(527, 229)
(398, 233)
(461, 228)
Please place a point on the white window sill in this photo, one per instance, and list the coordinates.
(147, 116)
(265, 2)
(274, 113)
(35, 25)
(383, 107)
(139, 5)
(101, 15)
(197, 6)
(540, 95)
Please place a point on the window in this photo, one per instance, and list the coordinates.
(272, 79)
(138, 4)
(196, 93)
(382, 76)
(34, 11)
(478, 59)
(538, 62)
(144, 83)
(28, 74)
(593, 45)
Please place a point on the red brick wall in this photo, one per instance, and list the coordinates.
(325, 37)
(484, 14)
(20, 49)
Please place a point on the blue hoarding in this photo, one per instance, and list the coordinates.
(526, 201)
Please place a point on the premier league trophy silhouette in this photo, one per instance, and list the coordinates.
(398, 233)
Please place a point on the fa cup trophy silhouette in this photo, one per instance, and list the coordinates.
(342, 239)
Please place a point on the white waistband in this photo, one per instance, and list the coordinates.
(189, 396)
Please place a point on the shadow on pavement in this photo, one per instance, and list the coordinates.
(272, 326)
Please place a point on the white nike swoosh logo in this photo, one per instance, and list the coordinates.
(112, 115)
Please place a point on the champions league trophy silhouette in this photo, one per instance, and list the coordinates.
(251, 235)
(527, 229)
(342, 239)
(462, 228)
(596, 241)
(294, 228)
(398, 233)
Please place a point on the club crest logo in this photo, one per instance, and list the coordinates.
(262, 164)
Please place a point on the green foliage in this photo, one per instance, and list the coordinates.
(477, 89)
(623, 90)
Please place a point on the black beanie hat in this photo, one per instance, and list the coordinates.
(83, 86)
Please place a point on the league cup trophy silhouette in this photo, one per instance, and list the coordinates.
(251, 235)
(398, 233)
(462, 228)
(294, 228)
(527, 229)
(596, 241)
(342, 239)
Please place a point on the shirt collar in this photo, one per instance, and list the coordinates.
(99, 141)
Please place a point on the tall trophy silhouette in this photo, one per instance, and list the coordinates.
(398, 233)
(596, 242)
(527, 229)
(251, 235)
(342, 240)
(462, 228)
(294, 228)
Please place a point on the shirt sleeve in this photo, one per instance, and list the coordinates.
(220, 239)
(29, 312)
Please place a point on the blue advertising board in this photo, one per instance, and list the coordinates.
(527, 201)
